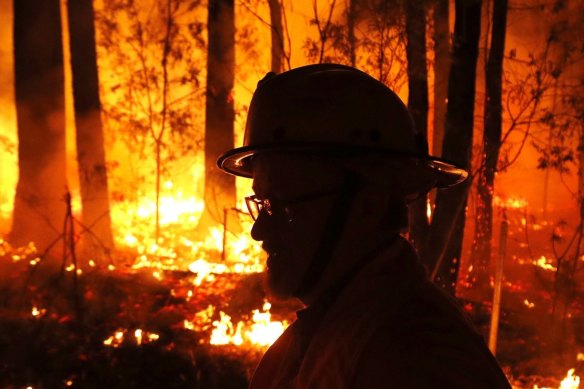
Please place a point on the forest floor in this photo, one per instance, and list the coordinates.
(138, 328)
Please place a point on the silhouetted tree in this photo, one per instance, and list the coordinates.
(89, 132)
(483, 234)
(277, 35)
(447, 228)
(415, 26)
(39, 207)
(219, 111)
(441, 69)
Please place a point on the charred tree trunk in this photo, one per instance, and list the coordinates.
(481, 247)
(446, 233)
(39, 206)
(277, 34)
(441, 69)
(351, 21)
(219, 187)
(418, 105)
(90, 142)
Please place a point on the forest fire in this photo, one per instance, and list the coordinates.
(139, 252)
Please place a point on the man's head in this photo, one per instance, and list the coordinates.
(308, 207)
(332, 152)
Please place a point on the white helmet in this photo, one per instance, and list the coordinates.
(337, 110)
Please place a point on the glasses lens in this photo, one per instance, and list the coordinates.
(256, 206)
(253, 206)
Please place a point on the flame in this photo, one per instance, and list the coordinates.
(36, 312)
(263, 331)
(224, 333)
(571, 381)
(115, 340)
(429, 209)
(140, 337)
(260, 331)
(510, 202)
(544, 263)
(528, 304)
(173, 248)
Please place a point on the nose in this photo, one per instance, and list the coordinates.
(260, 227)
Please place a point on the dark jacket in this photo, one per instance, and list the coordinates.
(388, 328)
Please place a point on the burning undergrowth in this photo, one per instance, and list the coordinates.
(121, 326)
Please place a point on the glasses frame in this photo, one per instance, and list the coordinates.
(256, 205)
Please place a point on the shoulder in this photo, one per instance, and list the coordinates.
(429, 344)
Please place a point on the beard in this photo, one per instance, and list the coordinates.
(282, 276)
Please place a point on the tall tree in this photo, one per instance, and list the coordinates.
(415, 13)
(39, 206)
(277, 35)
(90, 141)
(446, 232)
(441, 69)
(351, 27)
(219, 111)
(481, 247)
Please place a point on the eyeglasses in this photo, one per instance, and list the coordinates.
(281, 208)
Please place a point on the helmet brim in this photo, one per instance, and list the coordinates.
(422, 173)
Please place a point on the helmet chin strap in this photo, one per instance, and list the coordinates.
(333, 229)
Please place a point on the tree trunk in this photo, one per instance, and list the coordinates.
(446, 233)
(418, 105)
(219, 187)
(441, 69)
(90, 141)
(39, 206)
(351, 20)
(277, 35)
(481, 248)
